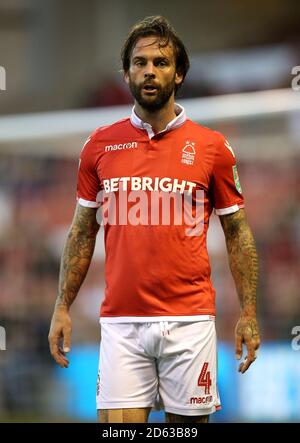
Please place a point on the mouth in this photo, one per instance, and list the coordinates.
(149, 89)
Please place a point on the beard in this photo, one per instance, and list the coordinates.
(152, 103)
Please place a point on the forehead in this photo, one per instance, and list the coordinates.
(149, 47)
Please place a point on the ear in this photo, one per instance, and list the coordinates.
(178, 78)
(126, 77)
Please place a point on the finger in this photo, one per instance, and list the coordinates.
(63, 360)
(53, 345)
(56, 352)
(67, 340)
(60, 359)
(249, 359)
(244, 366)
(238, 347)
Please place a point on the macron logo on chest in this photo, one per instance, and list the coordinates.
(121, 146)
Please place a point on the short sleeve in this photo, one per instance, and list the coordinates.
(88, 182)
(226, 189)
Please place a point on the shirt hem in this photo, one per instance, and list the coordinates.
(138, 319)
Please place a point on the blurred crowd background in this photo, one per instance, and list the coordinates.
(64, 55)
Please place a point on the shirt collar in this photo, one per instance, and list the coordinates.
(175, 123)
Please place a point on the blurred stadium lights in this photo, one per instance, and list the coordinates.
(51, 125)
(243, 69)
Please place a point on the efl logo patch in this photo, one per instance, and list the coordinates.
(236, 179)
(188, 153)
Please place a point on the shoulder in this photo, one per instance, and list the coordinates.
(211, 136)
(215, 138)
(104, 134)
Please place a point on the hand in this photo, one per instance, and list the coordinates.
(246, 332)
(60, 336)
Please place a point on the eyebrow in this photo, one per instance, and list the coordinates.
(140, 57)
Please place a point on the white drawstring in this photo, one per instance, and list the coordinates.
(164, 328)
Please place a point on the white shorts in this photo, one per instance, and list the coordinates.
(174, 363)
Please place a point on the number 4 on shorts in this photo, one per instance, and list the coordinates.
(204, 378)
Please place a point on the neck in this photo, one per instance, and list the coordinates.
(158, 119)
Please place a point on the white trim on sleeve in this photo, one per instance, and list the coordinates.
(87, 203)
(226, 211)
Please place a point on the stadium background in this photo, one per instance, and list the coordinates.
(61, 60)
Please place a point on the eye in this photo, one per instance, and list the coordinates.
(162, 63)
(139, 63)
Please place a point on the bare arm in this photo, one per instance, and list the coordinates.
(243, 263)
(75, 262)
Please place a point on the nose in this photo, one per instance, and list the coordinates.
(149, 75)
(149, 71)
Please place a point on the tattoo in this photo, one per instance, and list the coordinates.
(77, 254)
(242, 258)
(247, 328)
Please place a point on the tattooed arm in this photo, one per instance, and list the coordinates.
(75, 262)
(244, 267)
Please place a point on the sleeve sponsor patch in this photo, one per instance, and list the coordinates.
(236, 179)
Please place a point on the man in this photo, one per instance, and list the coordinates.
(157, 318)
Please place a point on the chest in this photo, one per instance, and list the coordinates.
(181, 157)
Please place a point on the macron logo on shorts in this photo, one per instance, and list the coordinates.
(201, 400)
(121, 146)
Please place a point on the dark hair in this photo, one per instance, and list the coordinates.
(157, 26)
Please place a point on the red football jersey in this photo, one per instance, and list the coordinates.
(157, 266)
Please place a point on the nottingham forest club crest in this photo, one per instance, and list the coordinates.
(188, 153)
